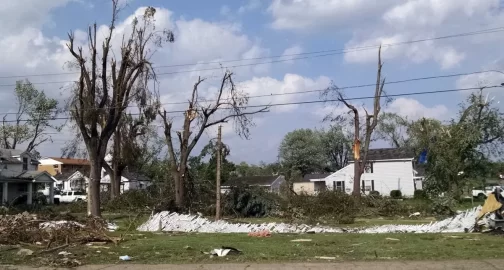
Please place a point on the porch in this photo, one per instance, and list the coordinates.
(28, 183)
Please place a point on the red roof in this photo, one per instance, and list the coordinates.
(72, 161)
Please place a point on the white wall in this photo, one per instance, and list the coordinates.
(387, 176)
(345, 174)
(392, 175)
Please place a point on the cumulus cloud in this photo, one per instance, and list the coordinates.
(397, 21)
(291, 84)
(321, 14)
(250, 6)
(291, 52)
(414, 110)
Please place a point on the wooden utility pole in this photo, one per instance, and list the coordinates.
(218, 176)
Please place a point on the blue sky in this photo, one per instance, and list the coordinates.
(223, 30)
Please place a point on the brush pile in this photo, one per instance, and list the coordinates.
(38, 230)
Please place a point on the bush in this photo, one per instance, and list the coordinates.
(396, 194)
(420, 195)
(249, 202)
(374, 193)
(327, 206)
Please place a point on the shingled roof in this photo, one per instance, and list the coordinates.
(389, 153)
(265, 180)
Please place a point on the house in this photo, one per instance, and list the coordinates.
(69, 180)
(307, 185)
(19, 176)
(55, 166)
(387, 169)
(272, 183)
(130, 180)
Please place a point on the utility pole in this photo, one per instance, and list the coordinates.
(218, 176)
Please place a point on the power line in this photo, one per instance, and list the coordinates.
(320, 90)
(308, 102)
(321, 53)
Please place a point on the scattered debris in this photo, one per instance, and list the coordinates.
(301, 240)
(263, 233)
(125, 258)
(325, 258)
(24, 252)
(392, 239)
(174, 222)
(417, 214)
(224, 251)
(64, 253)
(29, 229)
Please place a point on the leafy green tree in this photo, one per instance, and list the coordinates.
(461, 150)
(33, 118)
(337, 146)
(302, 150)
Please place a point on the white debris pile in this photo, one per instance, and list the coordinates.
(174, 222)
(456, 224)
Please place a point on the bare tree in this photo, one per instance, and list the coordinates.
(370, 123)
(236, 107)
(101, 98)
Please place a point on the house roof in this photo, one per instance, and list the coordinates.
(71, 161)
(389, 153)
(66, 175)
(265, 180)
(7, 156)
(312, 176)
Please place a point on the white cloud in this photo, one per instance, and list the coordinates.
(308, 15)
(413, 109)
(291, 52)
(250, 6)
(291, 83)
(396, 21)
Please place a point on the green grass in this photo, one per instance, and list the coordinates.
(188, 248)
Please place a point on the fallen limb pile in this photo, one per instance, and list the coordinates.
(33, 230)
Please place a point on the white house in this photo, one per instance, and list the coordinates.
(19, 177)
(129, 181)
(386, 170)
(271, 183)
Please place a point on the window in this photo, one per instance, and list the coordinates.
(25, 164)
(55, 166)
(339, 185)
(367, 185)
(78, 193)
(369, 167)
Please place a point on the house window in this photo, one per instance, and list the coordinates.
(339, 186)
(367, 186)
(55, 166)
(25, 164)
(369, 167)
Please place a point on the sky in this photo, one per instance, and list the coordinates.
(208, 34)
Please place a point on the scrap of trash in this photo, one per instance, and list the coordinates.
(34, 230)
(174, 222)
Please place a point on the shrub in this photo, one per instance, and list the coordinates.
(327, 206)
(374, 193)
(396, 194)
(249, 202)
(420, 195)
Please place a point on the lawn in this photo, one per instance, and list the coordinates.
(188, 248)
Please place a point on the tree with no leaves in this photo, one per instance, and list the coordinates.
(229, 100)
(371, 121)
(34, 112)
(108, 85)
